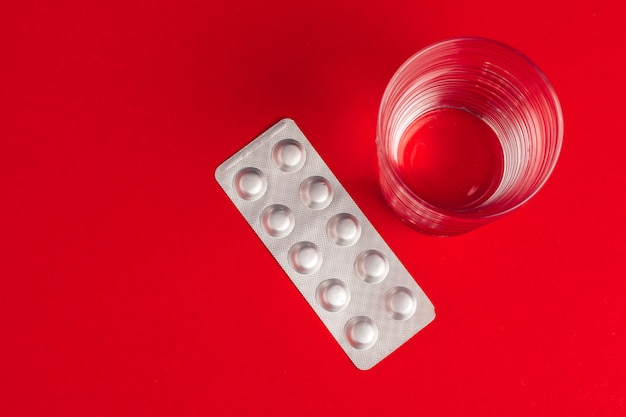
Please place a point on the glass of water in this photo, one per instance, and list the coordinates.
(469, 129)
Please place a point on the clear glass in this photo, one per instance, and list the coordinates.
(494, 83)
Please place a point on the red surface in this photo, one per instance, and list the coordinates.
(130, 285)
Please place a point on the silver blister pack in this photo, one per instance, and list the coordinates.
(332, 253)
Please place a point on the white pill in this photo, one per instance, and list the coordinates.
(343, 229)
(277, 220)
(250, 184)
(400, 303)
(332, 295)
(361, 332)
(305, 258)
(371, 266)
(288, 155)
(316, 192)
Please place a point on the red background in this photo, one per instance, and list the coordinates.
(130, 285)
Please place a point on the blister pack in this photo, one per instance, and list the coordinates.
(328, 248)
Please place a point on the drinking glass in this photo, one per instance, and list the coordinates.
(469, 129)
